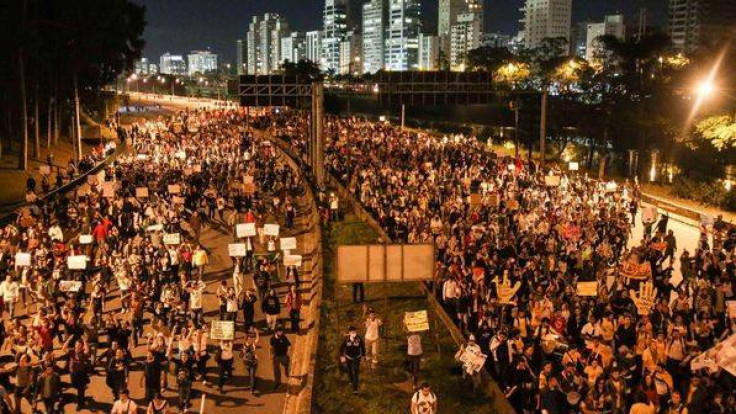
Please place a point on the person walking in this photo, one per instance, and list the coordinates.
(159, 405)
(424, 401)
(280, 346)
(124, 405)
(372, 336)
(250, 360)
(352, 351)
(151, 378)
(294, 306)
(49, 389)
(271, 306)
(224, 363)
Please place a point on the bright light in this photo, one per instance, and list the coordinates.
(705, 88)
(727, 184)
(375, 88)
(652, 174)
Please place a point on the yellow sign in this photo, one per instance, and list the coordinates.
(644, 298)
(587, 288)
(416, 321)
(505, 291)
(223, 330)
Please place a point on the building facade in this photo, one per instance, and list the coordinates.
(313, 46)
(335, 20)
(429, 52)
(293, 47)
(374, 30)
(241, 54)
(694, 24)
(201, 62)
(172, 64)
(402, 37)
(141, 66)
(264, 43)
(495, 39)
(351, 54)
(546, 19)
(464, 37)
(610, 26)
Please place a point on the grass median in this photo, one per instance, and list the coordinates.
(388, 388)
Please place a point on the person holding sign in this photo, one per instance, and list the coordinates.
(352, 351)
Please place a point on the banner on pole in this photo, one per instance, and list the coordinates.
(236, 249)
(288, 243)
(245, 230)
(22, 259)
(271, 230)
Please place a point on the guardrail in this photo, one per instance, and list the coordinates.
(81, 179)
(299, 396)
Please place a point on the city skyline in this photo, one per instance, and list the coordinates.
(219, 27)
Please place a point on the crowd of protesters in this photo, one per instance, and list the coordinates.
(500, 225)
(139, 290)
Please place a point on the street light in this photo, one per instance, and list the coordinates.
(705, 89)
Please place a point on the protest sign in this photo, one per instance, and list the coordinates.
(236, 249)
(476, 200)
(587, 288)
(223, 330)
(472, 361)
(731, 306)
(70, 286)
(77, 262)
(706, 220)
(645, 298)
(141, 192)
(249, 188)
(573, 166)
(172, 238)
(288, 243)
(44, 170)
(723, 355)
(108, 189)
(248, 179)
(649, 214)
(22, 259)
(85, 239)
(180, 154)
(416, 321)
(293, 260)
(271, 230)
(174, 189)
(177, 200)
(245, 230)
(552, 180)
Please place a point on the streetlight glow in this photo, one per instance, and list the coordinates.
(706, 88)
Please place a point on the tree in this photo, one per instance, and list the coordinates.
(488, 58)
(720, 131)
(305, 68)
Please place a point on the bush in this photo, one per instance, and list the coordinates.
(710, 193)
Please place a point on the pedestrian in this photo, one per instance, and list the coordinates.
(250, 360)
(414, 353)
(294, 306)
(372, 336)
(271, 306)
(124, 405)
(424, 401)
(224, 359)
(151, 378)
(158, 405)
(352, 351)
(279, 350)
(117, 373)
(248, 304)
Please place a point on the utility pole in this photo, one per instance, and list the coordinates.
(77, 123)
(543, 126)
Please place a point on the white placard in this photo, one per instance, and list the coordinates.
(174, 189)
(22, 259)
(155, 227)
(172, 238)
(141, 157)
(573, 166)
(288, 243)
(180, 154)
(293, 260)
(141, 192)
(271, 230)
(108, 189)
(85, 239)
(552, 180)
(649, 214)
(177, 200)
(70, 286)
(245, 229)
(236, 249)
(222, 330)
(77, 262)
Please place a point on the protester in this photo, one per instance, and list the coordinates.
(352, 352)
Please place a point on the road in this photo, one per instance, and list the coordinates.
(237, 397)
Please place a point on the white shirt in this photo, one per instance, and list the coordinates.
(9, 291)
(424, 403)
(371, 329)
(195, 296)
(128, 407)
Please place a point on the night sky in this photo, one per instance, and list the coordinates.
(179, 26)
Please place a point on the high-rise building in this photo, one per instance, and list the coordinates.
(141, 66)
(172, 64)
(314, 46)
(153, 69)
(495, 39)
(402, 37)
(464, 37)
(612, 25)
(374, 29)
(697, 23)
(201, 62)
(241, 55)
(351, 54)
(293, 47)
(264, 43)
(429, 52)
(449, 10)
(579, 39)
(335, 30)
(546, 19)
